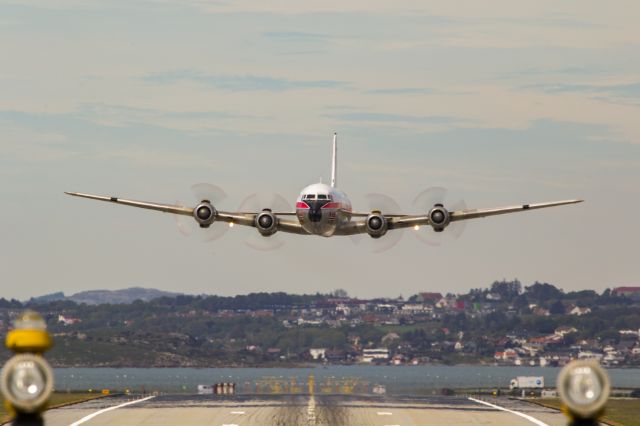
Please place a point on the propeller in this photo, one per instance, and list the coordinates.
(255, 203)
(189, 227)
(387, 206)
(425, 202)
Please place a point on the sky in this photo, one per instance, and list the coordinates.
(500, 102)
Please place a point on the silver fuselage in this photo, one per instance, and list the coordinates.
(323, 209)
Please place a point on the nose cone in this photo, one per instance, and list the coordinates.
(315, 211)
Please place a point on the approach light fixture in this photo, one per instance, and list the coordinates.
(584, 388)
(27, 382)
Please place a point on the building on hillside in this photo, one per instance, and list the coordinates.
(579, 311)
(506, 355)
(563, 330)
(68, 320)
(390, 337)
(416, 309)
(431, 298)
(374, 355)
(540, 311)
(630, 292)
(588, 354)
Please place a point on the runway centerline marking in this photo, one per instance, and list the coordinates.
(517, 413)
(384, 413)
(237, 412)
(104, 410)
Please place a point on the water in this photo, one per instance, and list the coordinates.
(397, 379)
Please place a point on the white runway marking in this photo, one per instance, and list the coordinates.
(517, 413)
(104, 410)
(237, 412)
(384, 413)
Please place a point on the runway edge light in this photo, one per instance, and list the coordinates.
(584, 389)
(27, 379)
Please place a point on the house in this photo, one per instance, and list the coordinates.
(397, 359)
(540, 311)
(506, 355)
(586, 354)
(563, 330)
(579, 311)
(390, 337)
(415, 308)
(273, 351)
(431, 298)
(343, 309)
(335, 355)
(376, 354)
(68, 320)
(630, 292)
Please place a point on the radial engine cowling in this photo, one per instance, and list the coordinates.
(377, 224)
(205, 214)
(439, 218)
(266, 222)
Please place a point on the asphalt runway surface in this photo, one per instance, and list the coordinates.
(290, 410)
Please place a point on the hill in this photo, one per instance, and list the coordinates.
(124, 296)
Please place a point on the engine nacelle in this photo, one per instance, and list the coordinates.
(266, 222)
(439, 218)
(205, 214)
(377, 224)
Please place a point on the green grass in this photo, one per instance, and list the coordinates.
(57, 399)
(619, 411)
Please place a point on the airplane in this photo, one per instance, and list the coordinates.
(326, 211)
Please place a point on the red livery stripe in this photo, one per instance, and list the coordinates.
(301, 205)
(331, 206)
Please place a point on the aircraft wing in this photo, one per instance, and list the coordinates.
(396, 221)
(287, 222)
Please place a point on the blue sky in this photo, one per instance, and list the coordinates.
(500, 103)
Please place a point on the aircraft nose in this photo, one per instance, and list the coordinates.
(315, 211)
(315, 214)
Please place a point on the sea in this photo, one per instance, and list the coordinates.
(398, 380)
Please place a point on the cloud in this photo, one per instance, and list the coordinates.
(402, 91)
(617, 93)
(390, 118)
(564, 71)
(295, 36)
(242, 83)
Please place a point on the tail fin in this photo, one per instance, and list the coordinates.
(334, 161)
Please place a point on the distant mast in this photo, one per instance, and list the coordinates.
(334, 161)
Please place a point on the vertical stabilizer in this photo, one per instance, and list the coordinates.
(334, 161)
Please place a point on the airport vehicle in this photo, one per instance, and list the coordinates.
(527, 382)
(326, 211)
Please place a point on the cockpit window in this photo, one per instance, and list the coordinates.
(310, 197)
(322, 197)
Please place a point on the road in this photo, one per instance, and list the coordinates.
(301, 410)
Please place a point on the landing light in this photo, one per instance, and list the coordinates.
(416, 228)
(230, 224)
(584, 388)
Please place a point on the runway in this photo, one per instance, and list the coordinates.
(186, 410)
